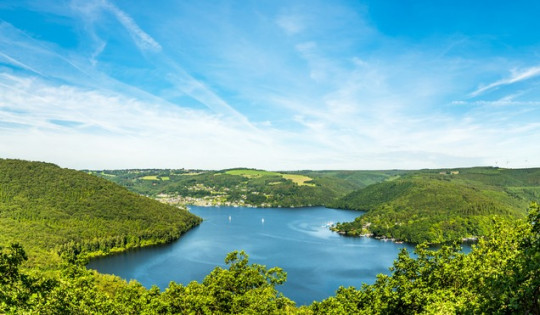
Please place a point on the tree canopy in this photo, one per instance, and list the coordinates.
(437, 208)
(53, 211)
(499, 276)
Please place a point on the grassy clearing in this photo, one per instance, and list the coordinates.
(165, 178)
(300, 180)
(150, 177)
(252, 173)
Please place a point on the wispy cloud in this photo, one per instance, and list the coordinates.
(501, 102)
(170, 70)
(56, 116)
(516, 76)
(37, 56)
(291, 24)
(17, 63)
(141, 38)
(53, 62)
(337, 92)
(200, 92)
(99, 49)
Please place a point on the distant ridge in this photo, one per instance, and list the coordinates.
(428, 205)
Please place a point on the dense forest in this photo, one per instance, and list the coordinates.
(499, 276)
(441, 206)
(53, 211)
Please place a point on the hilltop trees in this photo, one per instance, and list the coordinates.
(51, 211)
(429, 208)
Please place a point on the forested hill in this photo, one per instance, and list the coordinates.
(415, 206)
(246, 187)
(441, 205)
(51, 210)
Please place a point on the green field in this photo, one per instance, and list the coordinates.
(149, 177)
(299, 179)
(251, 173)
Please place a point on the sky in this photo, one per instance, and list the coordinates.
(270, 84)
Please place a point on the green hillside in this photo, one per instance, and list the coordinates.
(441, 205)
(50, 211)
(414, 206)
(246, 187)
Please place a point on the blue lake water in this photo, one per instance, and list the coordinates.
(317, 260)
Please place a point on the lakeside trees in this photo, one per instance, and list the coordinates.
(435, 208)
(499, 276)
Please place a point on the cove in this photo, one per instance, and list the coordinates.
(317, 260)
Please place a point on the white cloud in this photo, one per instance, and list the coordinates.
(17, 63)
(170, 69)
(141, 38)
(516, 76)
(82, 128)
(291, 24)
(200, 92)
(111, 130)
(384, 107)
(99, 49)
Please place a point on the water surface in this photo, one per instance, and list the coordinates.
(317, 260)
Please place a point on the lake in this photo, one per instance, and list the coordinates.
(317, 260)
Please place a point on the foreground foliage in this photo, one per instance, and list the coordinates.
(500, 276)
(242, 288)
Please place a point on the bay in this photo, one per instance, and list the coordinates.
(317, 260)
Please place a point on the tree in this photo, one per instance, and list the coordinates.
(242, 288)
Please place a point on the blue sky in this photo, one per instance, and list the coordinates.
(279, 85)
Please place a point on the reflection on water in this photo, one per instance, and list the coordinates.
(317, 260)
